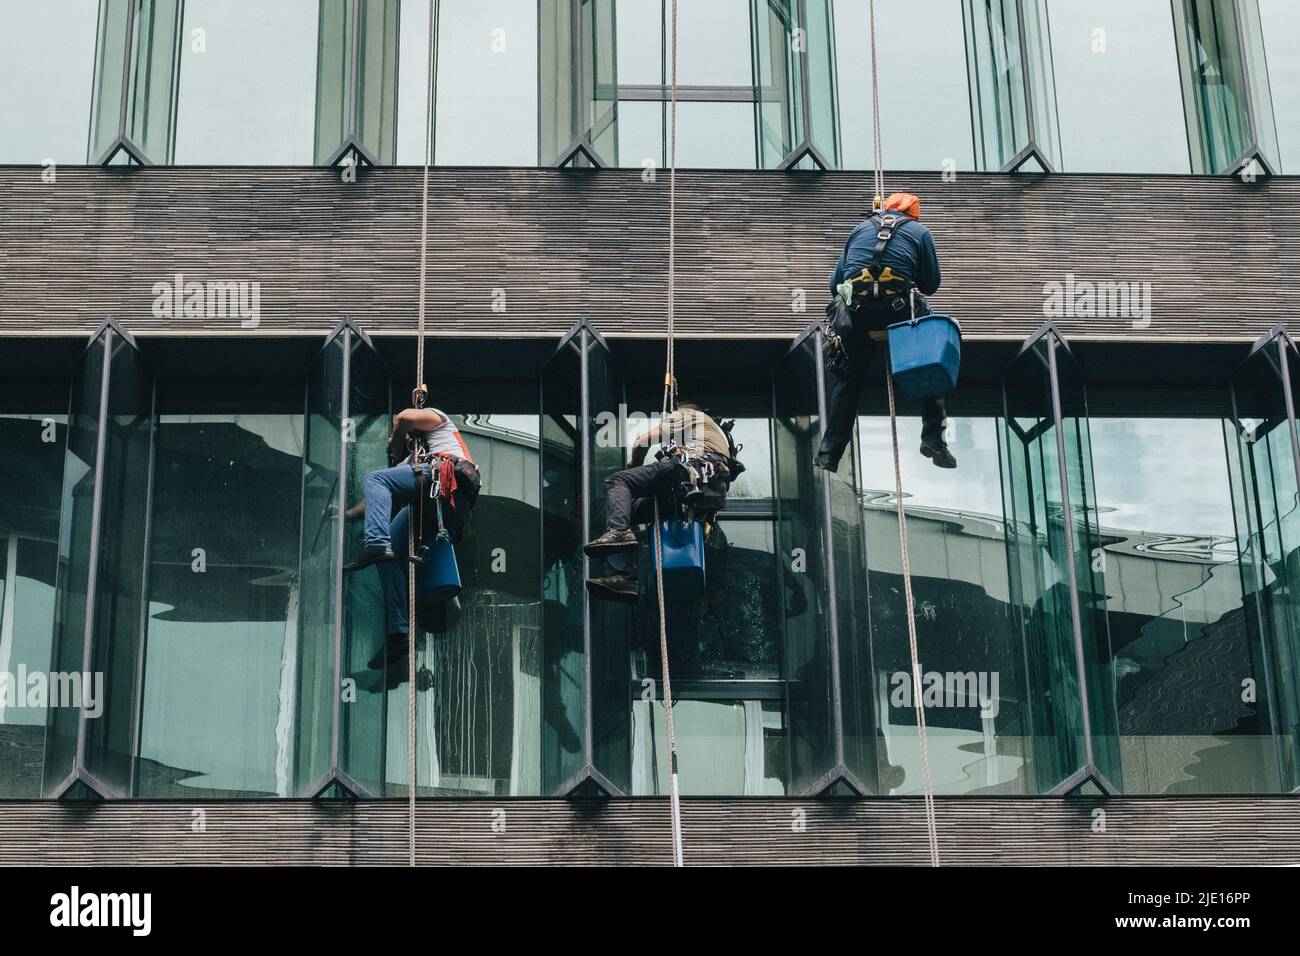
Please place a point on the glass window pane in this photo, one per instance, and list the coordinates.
(801, 546)
(1097, 77)
(487, 83)
(715, 135)
(1280, 22)
(937, 91)
(724, 747)
(247, 88)
(562, 498)
(47, 62)
(31, 465)
(1174, 604)
(713, 43)
(641, 28)
(641, 133)
(222, 628)
(977, 716)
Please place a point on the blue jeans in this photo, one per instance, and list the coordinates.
(392, 576)
(384, 490)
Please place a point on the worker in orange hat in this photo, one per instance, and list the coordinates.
(887, 259)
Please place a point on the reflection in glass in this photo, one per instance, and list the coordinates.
(1262, 461)
(1219, 83)
(1182, 642)
(577, 108)
(979, 733)
(801, 542)
(364, 112)
(563, 499)
(1012, 83)
(222, 626)
(480, 666)
(1043, 557)
(31, 463)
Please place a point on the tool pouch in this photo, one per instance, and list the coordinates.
(837, 327)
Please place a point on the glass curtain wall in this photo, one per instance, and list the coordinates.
(1262, 457)
(338, 727)
(101, 584)
(1056, 588)
(801, 545)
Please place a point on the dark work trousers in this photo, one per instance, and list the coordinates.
(629, 497)
(844, 393)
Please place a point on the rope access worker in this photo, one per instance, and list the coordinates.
(428, 457)
(885, 261)
(699, 453)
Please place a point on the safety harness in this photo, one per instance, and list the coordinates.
(877, 280)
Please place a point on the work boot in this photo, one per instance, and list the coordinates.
(936, 449)
(395, 646)
(621, 587)
(368, 556)
(611, 542)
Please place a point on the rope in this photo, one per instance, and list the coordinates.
(669, 404)
(419, 379)
(878, 203)
(918, 700)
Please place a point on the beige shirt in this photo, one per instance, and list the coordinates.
(695, 431)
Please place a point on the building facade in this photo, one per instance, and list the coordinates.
(210, 219)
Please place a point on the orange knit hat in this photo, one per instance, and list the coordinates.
(904, 203)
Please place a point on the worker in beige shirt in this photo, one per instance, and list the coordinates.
(688, 429)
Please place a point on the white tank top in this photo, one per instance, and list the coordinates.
(445, 439)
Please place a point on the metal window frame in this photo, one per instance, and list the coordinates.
(588, 780)
(1088, 771)
(352, 151)
(813, 338)
(581, 145)
(1286, 352)
(335, 775)
(80, 773)
(123, 143)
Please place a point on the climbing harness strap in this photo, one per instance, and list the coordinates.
(877, 280)
(931, 825)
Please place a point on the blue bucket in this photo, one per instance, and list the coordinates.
(437, 581)
(683, 562)
(925, 355)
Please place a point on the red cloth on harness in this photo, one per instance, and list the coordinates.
(447, 478)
